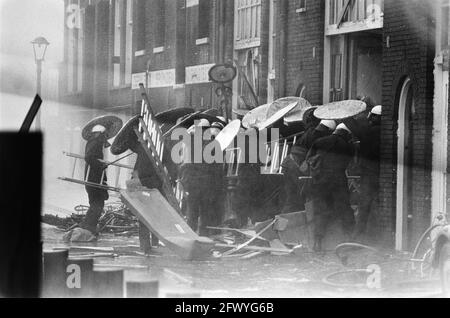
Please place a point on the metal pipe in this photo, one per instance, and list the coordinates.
(283, 23)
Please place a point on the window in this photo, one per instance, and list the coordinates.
(336, 76)
(248, 23)
(160, 23)
(348, 15)
(203, 19)
(80, 59)
(70, 60)
(445, 12)
(123, 35)
(118, 8)
(128, 42)
(140, 26)
(354, 67)
(75, 42)
(301, 6)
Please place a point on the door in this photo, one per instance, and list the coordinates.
(404, 165)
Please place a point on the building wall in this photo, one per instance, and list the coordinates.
(102, 55)
(408, 43)
(304, 51)
(180, 51)
(448, 154)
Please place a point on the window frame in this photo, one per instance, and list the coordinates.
(75, 54)
(122, 58)
(159, 25)
(204, 23)
(247, 24)
(357, 18)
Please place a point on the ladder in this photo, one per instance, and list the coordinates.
(276, 152)
(151, 138)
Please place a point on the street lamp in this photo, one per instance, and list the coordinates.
(40, 45)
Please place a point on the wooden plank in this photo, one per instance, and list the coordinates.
(162, 219)
(34, 109)
(95, 185)
(257, 248)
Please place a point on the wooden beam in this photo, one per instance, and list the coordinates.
(34, 109)
(91, 184)
(342, 12)
(257, 248)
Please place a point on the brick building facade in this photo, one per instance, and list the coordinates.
(299, 67)
(408, 53)
(394, 51)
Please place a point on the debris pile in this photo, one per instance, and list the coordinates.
(116, 219)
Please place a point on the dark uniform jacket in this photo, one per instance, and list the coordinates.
(334, 153)
(304, 143)
(369, 137)
(93, 157)
(145, 171)
(204, 178)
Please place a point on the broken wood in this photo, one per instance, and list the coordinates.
(239, 247)
(249, 233)
(94, 255)
(86, 248)
(177, 277)
(121, 266)
(259, 248)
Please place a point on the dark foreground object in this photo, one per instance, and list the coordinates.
(20, 213)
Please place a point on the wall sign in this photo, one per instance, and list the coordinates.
(198, 74)
(163, 78)
(137, 79)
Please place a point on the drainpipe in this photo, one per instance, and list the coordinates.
(283, 23)
(222, 15)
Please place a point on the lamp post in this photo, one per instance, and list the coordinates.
(40, 45)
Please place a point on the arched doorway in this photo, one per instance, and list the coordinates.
(405, 135)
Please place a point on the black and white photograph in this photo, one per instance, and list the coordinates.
(222, 154)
